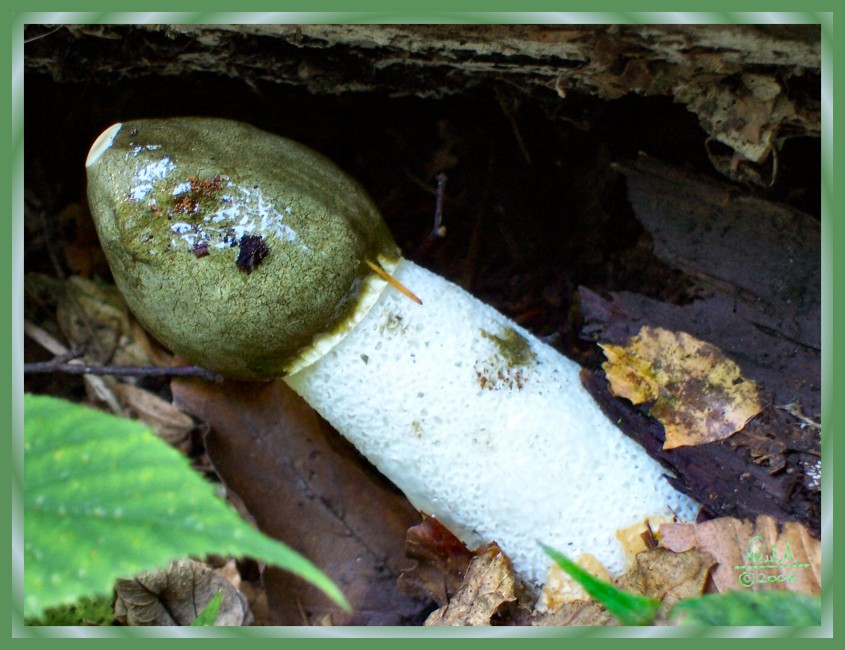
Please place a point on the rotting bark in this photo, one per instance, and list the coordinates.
(724, 476)
(766, 257)
(756, 266)
(751, 86)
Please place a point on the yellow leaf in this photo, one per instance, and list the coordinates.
(699, 394)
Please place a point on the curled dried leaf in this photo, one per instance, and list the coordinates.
(669, 577)
(176, 596)
(442, 562)
(489, 586)
(93, 316)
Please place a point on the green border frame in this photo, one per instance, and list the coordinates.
(434, 11)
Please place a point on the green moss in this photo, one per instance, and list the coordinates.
(86, 611)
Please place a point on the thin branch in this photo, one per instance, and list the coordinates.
(58, 365)
(438, 231)
(35, 38)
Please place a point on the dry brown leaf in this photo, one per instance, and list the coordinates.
(561, 588)
(668, 576)
(167, 421)
(177, 595)
(639, 537)
(307, 486)
(575, 613)
(746, 116)
(753, 555)
(489, 585)
(93, 316)
(699, 394)
(84, 255)
(657, 573)
(442, 562)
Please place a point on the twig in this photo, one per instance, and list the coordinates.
(45, 340)
(508, 106)
(95, 385)
(35, 38)
(77, 367)
(438, 231)
(58, 365)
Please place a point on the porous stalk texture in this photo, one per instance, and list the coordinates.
(485, 427)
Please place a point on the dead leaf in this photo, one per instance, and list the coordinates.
(94, 317)
(668, 576)
(442, 562)
(656, 573)
(256, 596)
(177, 595)
(489, 586)
(699, 394)
(230, 573)
(639, 537)
(168, 422)
(747, 115)
(575, 613)
(84, 254)
(753, 555)
(561, 589)
(308, 487)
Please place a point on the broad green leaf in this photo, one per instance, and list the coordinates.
(105, 498)
(209, 613)
(750, 608)
(630, 609)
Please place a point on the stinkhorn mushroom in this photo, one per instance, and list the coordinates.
(258, 258)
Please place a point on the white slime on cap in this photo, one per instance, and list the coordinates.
(102, 144)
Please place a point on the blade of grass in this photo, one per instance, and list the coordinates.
(630, 609)
(209, 613)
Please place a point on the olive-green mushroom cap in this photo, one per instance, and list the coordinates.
(234, 247)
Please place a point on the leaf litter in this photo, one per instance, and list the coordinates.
(94, 318)
(175, 596)
(692, 560)
(490, 586)
(492, 595)
(441, 565)
(302, 483)
(789, 551)
(698, 393)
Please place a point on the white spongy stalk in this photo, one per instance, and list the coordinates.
(486, 428)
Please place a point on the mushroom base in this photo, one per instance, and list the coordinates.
(486, 428)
